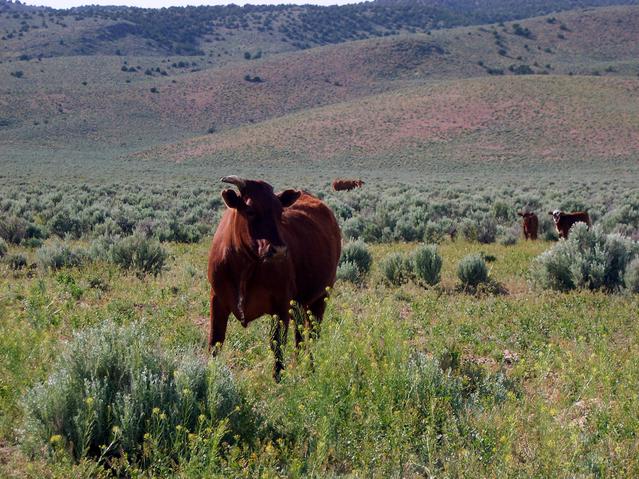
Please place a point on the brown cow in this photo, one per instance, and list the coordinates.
(530, 224)
(341, 184)
(564, 221)
(269, 249)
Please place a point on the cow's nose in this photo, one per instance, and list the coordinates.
(268, 250)
(279, 251)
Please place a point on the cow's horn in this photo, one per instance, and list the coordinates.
(234, 180)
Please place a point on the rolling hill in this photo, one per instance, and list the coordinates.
(121, 104)
(103, 107)
(508, 122)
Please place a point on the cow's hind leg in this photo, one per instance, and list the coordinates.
(217, 324)
(279, 331)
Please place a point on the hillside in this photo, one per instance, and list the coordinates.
(503, 123)
(89, 103)
(231, 32)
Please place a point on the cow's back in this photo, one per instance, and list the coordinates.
(313, 238)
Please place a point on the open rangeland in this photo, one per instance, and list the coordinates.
(451, 345)
(531, 383)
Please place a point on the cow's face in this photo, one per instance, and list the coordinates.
(556, 215)
(262, 210)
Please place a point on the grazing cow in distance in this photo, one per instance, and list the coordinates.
(530, 224)
(341, 184)
(564, 221)
(268, 250)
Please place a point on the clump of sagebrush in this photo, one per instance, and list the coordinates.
(355, 262)
(3, 248)
(115, 391)
(487, 230)
(547, 229)
(632, 276)
(16, 261)
(139, 253)
(588, 259)
(509, 237)
(468, 229)
(434, 232)
(59, 255)
(426, 264)
(13, 229)
(472, 271)
(353, 228)
(396, 269)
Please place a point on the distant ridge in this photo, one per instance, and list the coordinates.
(192, 30)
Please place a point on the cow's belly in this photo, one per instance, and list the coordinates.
(262, 297)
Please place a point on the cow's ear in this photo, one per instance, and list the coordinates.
(232, 199)
(550, 213)
(288, 197)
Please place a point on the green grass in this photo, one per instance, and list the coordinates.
(565, 405)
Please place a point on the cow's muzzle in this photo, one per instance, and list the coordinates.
(268, 251)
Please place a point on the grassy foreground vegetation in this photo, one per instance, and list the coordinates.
(406, 381)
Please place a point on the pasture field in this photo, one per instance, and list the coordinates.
(405, 381)
(113, 144)
(566, 404)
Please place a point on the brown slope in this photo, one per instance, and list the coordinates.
(114, 112)
(486, 121)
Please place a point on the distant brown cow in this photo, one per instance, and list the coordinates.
(564, 221)
(269, 249)
(340, 184)
(530, 224)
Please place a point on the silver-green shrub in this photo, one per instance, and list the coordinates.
(468, 229)
(138, 253)
(426, 264)
(588, 259)
(487, 230)
(59, 255)
(355, 262)
(632, 276)
(3, 247)
(115, 390)
(396, 269)
(434, 233)
(472, 270)
(16, 261)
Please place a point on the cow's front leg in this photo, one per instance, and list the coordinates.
(217, 324)
(279, 331)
